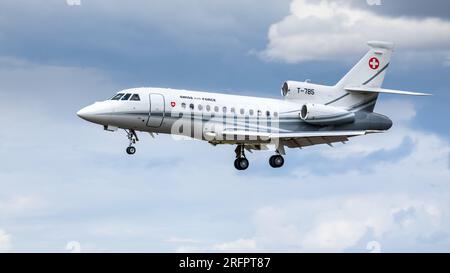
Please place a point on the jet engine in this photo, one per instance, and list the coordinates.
(296, 89)
(320, 114)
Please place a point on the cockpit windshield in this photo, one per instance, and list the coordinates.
(117, 97)
(126, 96)
(135, 97)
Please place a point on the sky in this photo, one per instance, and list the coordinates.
(67, 185)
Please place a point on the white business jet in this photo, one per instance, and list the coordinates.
(308, 114)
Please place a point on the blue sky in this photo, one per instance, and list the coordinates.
(64, 179)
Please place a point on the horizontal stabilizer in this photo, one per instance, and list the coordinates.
(365, 89)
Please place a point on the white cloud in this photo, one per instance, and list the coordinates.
(340, 223)
(334, 235)
(177, 240)
(333, 29)
(240, 245)
(20, 204)
(5, 242)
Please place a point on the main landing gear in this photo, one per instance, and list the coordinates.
(132, 137)
(276, 161)
(241, 163)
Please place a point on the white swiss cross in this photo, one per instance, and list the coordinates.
(374, 63)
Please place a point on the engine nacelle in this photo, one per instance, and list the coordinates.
(297, 89)
(320, 114)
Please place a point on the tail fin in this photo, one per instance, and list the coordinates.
(359, 89)
(371, 69)
(368, 72)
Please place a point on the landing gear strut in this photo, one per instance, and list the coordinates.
(241, 163)
(132, 137)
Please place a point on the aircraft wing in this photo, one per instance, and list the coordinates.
(296, 139)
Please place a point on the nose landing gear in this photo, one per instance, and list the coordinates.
(131, 150)
(241, 163)
(132, 137)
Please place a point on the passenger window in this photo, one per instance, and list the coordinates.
(208, 108)
(259, 112)
(117, 97)
(191, 106)
(135, 97)
(200, 107)
(183, 105)
(242, 111)
(216, 108)
(251, 112)
(275, 114)
(232, 110)
(126, 97)
(224, 109)
(268, 113)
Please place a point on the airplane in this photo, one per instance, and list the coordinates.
(308, 114)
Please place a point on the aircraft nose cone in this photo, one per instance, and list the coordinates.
(85, 113)
(99, 113)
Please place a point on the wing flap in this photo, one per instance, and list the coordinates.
(256, 140)
(316, 135)
(304, 142)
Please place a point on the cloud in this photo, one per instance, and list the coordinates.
(236, 246)
(5, 242)
(340, 223)
(175, 239)
(334, 29)
(239, 245)
(22, 204)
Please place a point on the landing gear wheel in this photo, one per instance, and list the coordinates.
(276, 161)
(236, 164)
(131, 150)
(241, 164)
